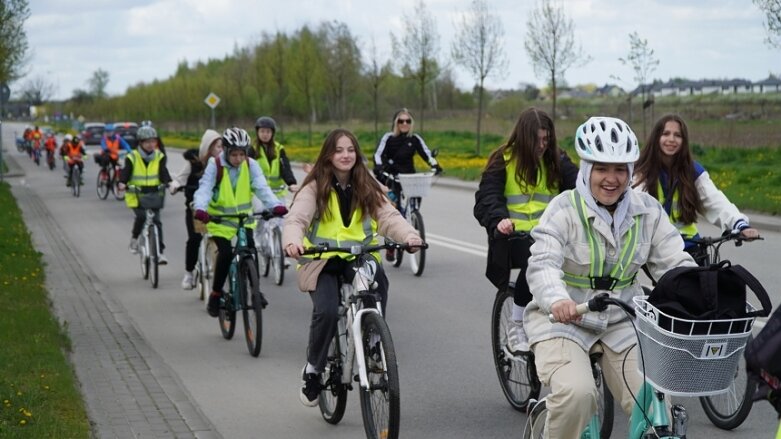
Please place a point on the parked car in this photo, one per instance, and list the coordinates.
(92, 133)
(128, 131)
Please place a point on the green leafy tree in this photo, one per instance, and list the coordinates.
(306, 72)
(13, 39)
(376, 74)
(97, 83)
(342, 61)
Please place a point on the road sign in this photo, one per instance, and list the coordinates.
(212, 100)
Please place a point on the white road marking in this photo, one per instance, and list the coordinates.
(455, 244)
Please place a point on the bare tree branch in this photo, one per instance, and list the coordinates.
(772, 10)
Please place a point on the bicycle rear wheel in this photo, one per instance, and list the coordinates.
(251, 308)
(728, 410)
(517, 374)
(333, 397)
(380, 403)
(154, 254)
(102, 184)
(277, 256)
(227, 317)
(417, 260)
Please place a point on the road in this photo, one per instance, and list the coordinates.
(440, 324)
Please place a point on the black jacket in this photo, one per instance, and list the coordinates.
(196, 170)
(396, 154)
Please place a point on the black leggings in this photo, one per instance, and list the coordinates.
(193, 241)
(520, 259)
(224, 256)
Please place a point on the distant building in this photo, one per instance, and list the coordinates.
(770, 85)
(709, 86)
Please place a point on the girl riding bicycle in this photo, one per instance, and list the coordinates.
(589, 240)
(519, 180)
(339, 202)
(272, 159)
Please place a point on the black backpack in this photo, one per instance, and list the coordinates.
(708, 293)
(763, 360)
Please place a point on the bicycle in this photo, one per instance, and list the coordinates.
(268, 239)
(244, 291)
(412, 188)
(362, 340)
(50, 159)
(149, 198)
(74, 177)
(692, 362)
(108, 178)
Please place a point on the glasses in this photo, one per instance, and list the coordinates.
(404, 121)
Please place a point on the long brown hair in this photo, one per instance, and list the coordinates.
(681, 172)
(522, 146)
(269, 148)
(367, 193)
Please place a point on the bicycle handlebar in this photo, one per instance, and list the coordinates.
(728, 235)
(598, 303)
(360, 249)
(147, 189)
(266, 214)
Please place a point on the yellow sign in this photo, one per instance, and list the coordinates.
(212, 100)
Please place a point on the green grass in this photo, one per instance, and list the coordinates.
(37, 385)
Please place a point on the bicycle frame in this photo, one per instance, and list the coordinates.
(240, 251)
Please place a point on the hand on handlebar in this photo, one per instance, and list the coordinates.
(294, 250)
(564, 311)
(749, 233)
(413, 243)
(505, 226)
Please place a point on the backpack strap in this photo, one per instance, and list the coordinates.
(219, 170)
(757, 288)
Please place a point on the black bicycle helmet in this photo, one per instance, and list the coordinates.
(266, 122)
(235, 138)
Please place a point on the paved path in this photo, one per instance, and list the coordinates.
(129, 391)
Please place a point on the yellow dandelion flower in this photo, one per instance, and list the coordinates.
(23, 422)
(27, 413)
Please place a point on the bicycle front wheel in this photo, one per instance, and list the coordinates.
(728, 410)
(251, 308)
(154, 254)
(102, 184)
(417, 260)
(333, 397)
(535, 422)
(76, 181)
(517, 374)
(143, 253)
(277, 256)
(227, 317)
(119, 194)
(380, 403)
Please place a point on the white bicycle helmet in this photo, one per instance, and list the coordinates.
(68, 137)
(606, 140)
(235, 138)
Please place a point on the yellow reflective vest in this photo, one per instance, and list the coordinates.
(272, 170)
(524, 203)
(144, 175)
(228, 200)
(362, 231)
(688, 231)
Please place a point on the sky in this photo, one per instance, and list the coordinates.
(139, 41)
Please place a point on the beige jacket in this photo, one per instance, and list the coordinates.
(390, 223)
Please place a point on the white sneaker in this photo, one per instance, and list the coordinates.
(162, 260)
(133, 246)
(517, 341)
(188, 281)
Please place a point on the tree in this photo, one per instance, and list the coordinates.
(97, 83)
(417, 51)
(479, 47)
(376, 75)
(641, 58)
(342, 61)
(550, 43)
(772, 10)
(13, 39)
(306, 75)
(37, 90)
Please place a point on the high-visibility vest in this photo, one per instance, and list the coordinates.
(231, 201)
(619, 276)
(144, 175)
(525, 203)
(362, 231)
(272, 170)
(112, 145)
(688, 231)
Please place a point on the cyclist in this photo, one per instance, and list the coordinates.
(667, 170)
(36, 137)
(188, 177)
(396, 153)
(50, 144)
(226, 187)
(602, 223)
(272, 159)
(339, 202)
(73, 153)
(110, 144)
(519, 180)
(145, 168)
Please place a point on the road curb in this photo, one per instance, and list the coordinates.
(14, 170)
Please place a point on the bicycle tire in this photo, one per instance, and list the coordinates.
(418, 259)
(534, 427)
(380, 404)
(50, 161)
(333, 397)
(517, 376)
(251, 308)
(102, 186)
(75, 178)
(154, 255)
(119, 194)
(227, 317)
(737, 406)
(277, 256)
(264, 258)
(606, 408)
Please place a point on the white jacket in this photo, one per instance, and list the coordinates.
(561, 245)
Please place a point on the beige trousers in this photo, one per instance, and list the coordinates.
(565, 367)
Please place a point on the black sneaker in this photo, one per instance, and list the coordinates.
(213, 307)
(263, 301)
(310, 388)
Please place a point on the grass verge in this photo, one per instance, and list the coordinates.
(37, 385)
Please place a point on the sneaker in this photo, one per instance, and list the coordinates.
(517, 341)
(390, 255)
(310, 388)
(133, 246)
(162, 260)
(213, 307)
(188, 281)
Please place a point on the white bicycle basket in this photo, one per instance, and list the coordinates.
(416, 185)
(689, 357)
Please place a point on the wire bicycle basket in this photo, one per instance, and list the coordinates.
(416, 185)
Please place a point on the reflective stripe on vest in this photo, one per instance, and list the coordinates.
(272, 170)
(688, 231)
(144, 175)
(231, 201)
(525, 204)
(618, 275)
(362, 231)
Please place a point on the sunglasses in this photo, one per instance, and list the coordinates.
(404, 121)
